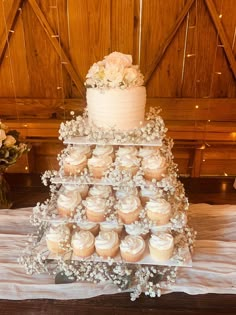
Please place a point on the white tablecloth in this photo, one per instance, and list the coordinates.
(213, 271)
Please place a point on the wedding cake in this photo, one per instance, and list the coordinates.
(116, 206)
(116, 97)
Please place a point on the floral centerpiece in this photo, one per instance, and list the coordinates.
(11, 149)
(114, 71)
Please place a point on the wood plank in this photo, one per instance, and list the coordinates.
(222, 35)
(53, 38)
(89, 32)
(122, 26)
(176, 109)
(10, 25)
(160, 53)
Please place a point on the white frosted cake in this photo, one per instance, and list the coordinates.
(116, 97)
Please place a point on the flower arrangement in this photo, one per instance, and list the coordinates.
(10, 146)
(114, 71)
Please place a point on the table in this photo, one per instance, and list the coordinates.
(213, 271)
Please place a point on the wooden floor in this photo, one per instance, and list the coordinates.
(27, 190)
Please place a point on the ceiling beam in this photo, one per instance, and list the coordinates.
(10, 25)
(53, 38)
(161, 52)
(217, 22)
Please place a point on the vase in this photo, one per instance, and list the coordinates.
(5, 200)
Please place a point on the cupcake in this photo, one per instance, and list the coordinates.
(99, 165)
(132, 248)
(83, 150)
(101, 191)
(161, 246)
(159, 211)
(128, 163)
(74, 162)
(57, 238)
(95, 208)
(137, 229)
(147, 193)
(128, 209)
(111, 226)
(104, 150)
(89, 226)
(154, 167)
(147, 151)
(107, 244)
(126, 150)
(126, 191)
(67, 202)
(82, 189)
(83, 243)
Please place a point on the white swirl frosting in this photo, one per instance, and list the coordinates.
(82, 239)
(95, 204)
(106, 239)
(136, 229)
(87, 225)
(159, 205)
(101, 150)
(128, 160)
(147, 151)
(126, 150)
(58, 233)
(162, 241)
(126, 191)
(103, 161)
(132, 244)
(153, 162)
(148, 192)
(106, 225)
(128, 204)
(69, 199)
(75, 157)
(100, 191)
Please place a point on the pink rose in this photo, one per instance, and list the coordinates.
(119, 59)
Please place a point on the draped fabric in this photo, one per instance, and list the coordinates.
(213, 271)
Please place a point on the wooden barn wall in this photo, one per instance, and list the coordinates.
(186, 50)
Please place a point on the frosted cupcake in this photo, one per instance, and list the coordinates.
(57, 238)
(83, 243)
(67, 202)
(82, 189)
(126, 150)
(101, 191)
(83, 150)
(111, 226)
(107, 244)
(132, 248)
(99, 165)
(137, 229)
(128, 209)
(95, 209)
(159, 211)
(126, 191)
(104, 150)
(74, 162)
(154, 167)
(161, 246)
(128, 163)
(147, 193)
(146, 151)
(89, 226)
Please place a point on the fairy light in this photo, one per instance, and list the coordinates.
(196, 106)
(225, 174)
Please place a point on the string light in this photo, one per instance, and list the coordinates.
(197, 106)
(225, 174)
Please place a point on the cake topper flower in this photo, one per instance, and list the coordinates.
(114, 71)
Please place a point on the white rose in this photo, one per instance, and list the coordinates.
(119, 59)
(130, 75)
(2, 135)
(9, 141)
